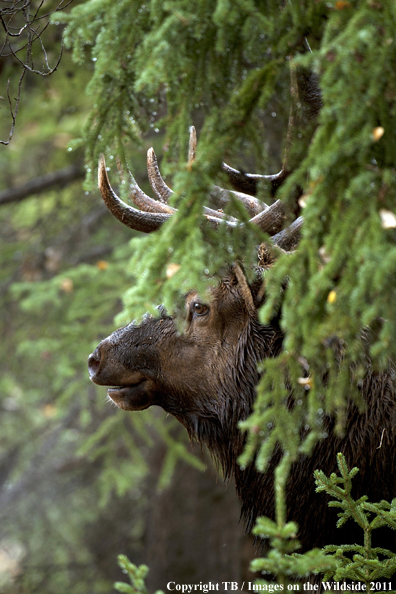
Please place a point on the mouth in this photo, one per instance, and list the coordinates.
(133, 397)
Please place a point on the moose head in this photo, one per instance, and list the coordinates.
(206, 376)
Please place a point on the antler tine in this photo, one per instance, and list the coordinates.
(289, 237)
(145, 202)
(221, 198)
(247, 182)
(160, 188)
(150, 217)
(192, 145)
(153, 212)
(129, 216)
(163, 191)
(271, 219)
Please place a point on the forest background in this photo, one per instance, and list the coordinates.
(82, 482)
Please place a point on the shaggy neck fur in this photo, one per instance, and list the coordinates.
(217, 426)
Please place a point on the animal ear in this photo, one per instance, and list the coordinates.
(244, 289)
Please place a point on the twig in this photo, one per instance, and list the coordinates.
(15, 111)
(382, 436)
(28, 34)
(42, 183)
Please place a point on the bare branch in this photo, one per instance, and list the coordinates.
(40, 184)
(22, 25)
(15, 110)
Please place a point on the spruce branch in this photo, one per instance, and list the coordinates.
(357, 562)
(136, 575)
(283, 559)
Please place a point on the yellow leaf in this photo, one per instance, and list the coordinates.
(102, 265)
(172, 269)
(307, 382)
(67, 285)
(332, 297)
(378, 133)
(341, 4)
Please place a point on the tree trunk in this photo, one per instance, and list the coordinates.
(193, 530)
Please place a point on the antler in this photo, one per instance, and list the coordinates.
(151, 213)
(160, 188)
(247, 182)
(131, 217)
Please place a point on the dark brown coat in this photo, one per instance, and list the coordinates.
(206, 377)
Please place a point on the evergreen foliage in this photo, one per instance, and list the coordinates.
(358, 563)
(363, 563)
(222, 63)
(282, 560)
(346, 168)
(63, 268)
(136, 576)
(226, 67)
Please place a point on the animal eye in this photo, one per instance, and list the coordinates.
(200, 308)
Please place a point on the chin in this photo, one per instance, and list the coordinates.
(134, 397)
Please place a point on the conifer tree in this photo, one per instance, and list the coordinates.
(169, 65)
(228, 67)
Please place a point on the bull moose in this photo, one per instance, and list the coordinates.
(206, 376)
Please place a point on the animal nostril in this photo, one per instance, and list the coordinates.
(93, 363)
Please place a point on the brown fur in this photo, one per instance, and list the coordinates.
(206, 378)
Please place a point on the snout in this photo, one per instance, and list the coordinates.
(104, 368)
(94, 364)
(129, 387)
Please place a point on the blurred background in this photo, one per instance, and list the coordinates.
(81, 481)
